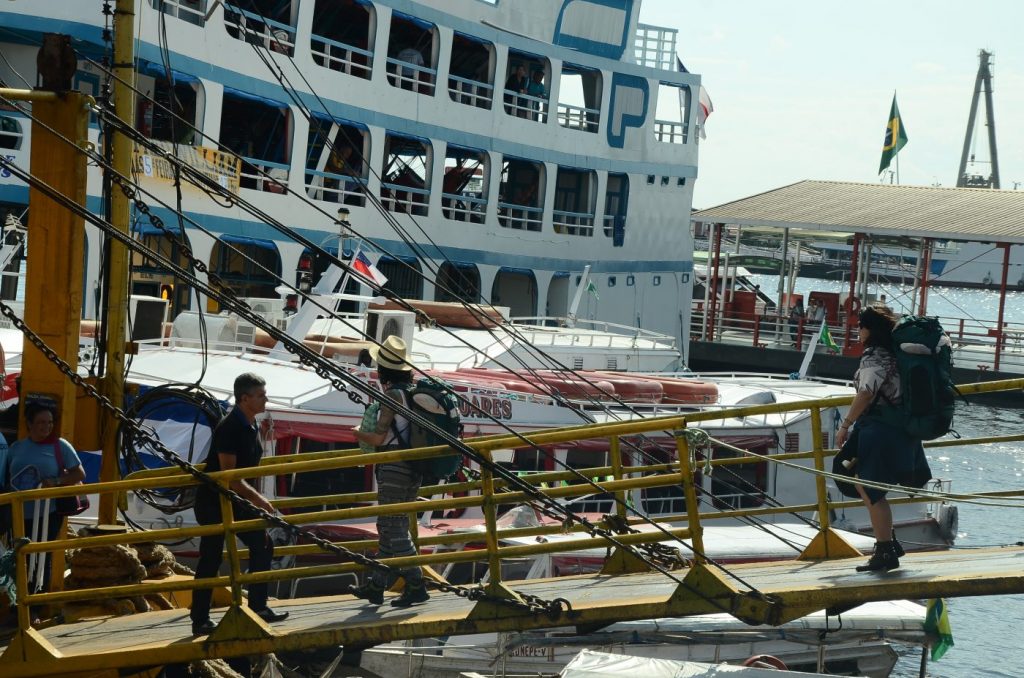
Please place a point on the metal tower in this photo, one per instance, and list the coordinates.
(984, 80)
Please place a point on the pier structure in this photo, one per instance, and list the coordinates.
(638, 581)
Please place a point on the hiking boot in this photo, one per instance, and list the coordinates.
(882, 560)
(411, 595)
(369, 591)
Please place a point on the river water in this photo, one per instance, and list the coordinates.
(986, 630)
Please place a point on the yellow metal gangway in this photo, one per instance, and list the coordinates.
(823, 576)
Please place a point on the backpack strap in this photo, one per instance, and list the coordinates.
(394, 424)
(59, 457)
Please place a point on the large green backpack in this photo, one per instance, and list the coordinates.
(434, 401)
(924, 361)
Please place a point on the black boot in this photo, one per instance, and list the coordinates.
(369, 591)
(411, 595)
(897, 547)
(882, 560)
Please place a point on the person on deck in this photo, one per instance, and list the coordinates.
(796, 314)
(884, 453)
(535, 88)
(816, 313)
(235, 444)
(516, 84)
(397, 481)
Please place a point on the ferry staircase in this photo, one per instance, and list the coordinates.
(638, 581)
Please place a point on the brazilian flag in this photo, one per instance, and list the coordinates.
(936, 624)
(895, 137)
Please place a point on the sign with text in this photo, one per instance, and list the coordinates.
(218, 166)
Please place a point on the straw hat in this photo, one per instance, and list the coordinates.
(392, 354)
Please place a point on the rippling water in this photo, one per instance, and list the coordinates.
(986, 630)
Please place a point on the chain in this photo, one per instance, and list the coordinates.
(533, 605)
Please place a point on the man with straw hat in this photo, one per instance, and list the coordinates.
(397, 481)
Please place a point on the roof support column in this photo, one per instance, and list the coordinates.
(782, 306)
(917, 278)
(712, 309)
(854, 269)
(926, 254)
(1002, 306)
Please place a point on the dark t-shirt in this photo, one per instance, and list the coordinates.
(234, 436)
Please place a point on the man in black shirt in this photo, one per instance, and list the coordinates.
(235, 444)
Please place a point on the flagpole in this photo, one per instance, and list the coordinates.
(897, 169)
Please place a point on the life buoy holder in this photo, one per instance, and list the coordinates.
(765, 661)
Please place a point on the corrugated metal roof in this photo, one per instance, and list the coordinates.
(973, 214)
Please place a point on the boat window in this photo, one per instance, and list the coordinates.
(464, 194)
(405, 276)
(575, 199)
(267, 23)
(11, 133)
(517, 289)
(741, 485)
(671, 124)
(405, 179)
(458, 282)
(579, 98)
(151, 279)
(327, 482)
(527, 85)
(250, 267)
(192, 11)
(616, 200)
(471, 72)
(663, 501)
(521, 195)
(412, 54)
(337, 171)
(167, 108)
(258, 130)
(343, 33)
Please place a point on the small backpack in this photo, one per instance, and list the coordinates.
(924, 361)
(433, 400)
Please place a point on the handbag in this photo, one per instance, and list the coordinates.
(67, 506)
(847, 454)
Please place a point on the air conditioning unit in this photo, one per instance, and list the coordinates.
(148, 315)
(263, 305)
(382, 324)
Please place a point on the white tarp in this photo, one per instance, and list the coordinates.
(590, 664)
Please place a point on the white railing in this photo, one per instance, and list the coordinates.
(11, 133)
(458, 207)
(520, 217)
(258, 30)
(406, 75)
(526, 106)
(572, 223)
(335, 187)
(655, 47)
(398, 198)
(192, 11)
(577, 117)
(339, 56)
(264, 175)
(669, 132)
(589, 333)
(470, 92)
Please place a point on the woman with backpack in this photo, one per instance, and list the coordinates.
(397, 481)
(884, 452)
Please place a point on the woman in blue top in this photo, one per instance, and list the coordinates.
(32, 462)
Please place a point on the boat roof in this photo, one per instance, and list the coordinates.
(822, 209)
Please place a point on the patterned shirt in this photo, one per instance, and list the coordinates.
(878, 374)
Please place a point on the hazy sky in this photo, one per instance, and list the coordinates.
(802, 88)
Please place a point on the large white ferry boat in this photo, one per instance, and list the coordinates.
(493, 190)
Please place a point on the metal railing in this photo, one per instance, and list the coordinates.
(331, 187)
(399, 198)
(669, 132)
(470, 92)
(618, 477)
(259, 30)
(191, 11)
(572, 223)
(655, 47)
(578, 117)
(264, 175)
(527, 106)
(459, 207)
(520, 217)
(406, 75)
(339, 56)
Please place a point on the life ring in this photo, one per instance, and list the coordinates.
(454, 513)
(765, 661)
(686, 391)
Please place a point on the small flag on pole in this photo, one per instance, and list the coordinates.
(704, 106)
(826, 339)
(363, 266)
(592, 288)
(895, 137)
(936, 624)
